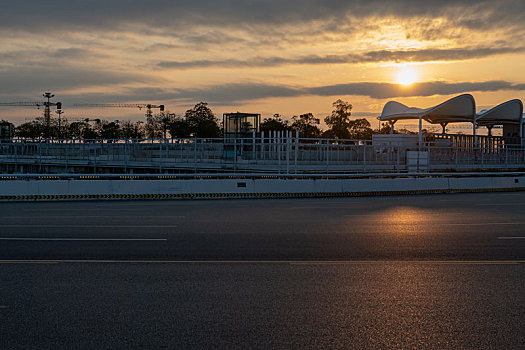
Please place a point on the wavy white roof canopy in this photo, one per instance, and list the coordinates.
(461, 108)
(509, 112)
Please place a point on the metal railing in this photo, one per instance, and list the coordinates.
(284, 155)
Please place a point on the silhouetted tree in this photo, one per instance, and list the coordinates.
(339, 122)
(166, 119)
(157, 126)
(153, 127)
(109, 130)
(180, 128)
(408, 132)
(275, 123)
(384, 129)
(131, 130)
(202, 121)
(360, 129)
(306, 124)
(92, 131)
(76, 130)
(32, 130)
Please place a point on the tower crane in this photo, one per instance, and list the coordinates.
(148, 106)
(46, 104)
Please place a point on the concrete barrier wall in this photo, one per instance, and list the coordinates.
(204, 188)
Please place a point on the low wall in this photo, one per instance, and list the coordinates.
(35, 189)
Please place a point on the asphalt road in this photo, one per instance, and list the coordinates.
(440, 271)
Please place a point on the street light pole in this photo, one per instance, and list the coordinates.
(59, 112)
(47, 112)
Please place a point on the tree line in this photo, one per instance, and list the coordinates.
(201, 122)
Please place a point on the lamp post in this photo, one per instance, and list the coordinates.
(59, 112)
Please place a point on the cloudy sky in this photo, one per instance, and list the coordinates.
(272, 56)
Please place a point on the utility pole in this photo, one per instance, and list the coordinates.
(59, 112)
(47, 112)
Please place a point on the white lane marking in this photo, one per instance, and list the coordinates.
(84, 209)
(78, 239)
(331, 207)
(481, 224)
(89, 216)
(358, 215)
(501, 204)
(511, 237)
(96, 226)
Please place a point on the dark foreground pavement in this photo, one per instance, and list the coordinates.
(443, 272)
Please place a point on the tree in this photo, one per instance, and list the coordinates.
(158, 125)
(306, 124)
(384, 129)
(360, 129)
(180, 128)
(31, 130)
(76, 129)
(92, 132)
(110, 130)
(339, 122)
(166, 119)
(275, 123)
(153, 127)
(202, 121)
(131, 130)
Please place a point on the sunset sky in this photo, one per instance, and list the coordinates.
(288, 57)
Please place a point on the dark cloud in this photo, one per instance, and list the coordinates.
(96, 14)
(232, 93)
(229, 94)
(424, 55)
(29, 81)
(240, 94)
(45, 57)
(387, 90)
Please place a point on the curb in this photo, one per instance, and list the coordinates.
(245, 195)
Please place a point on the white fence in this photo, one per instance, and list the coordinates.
(284, 155)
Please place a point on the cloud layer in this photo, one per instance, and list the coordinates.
(230, 52)
(377, 56)
(167, 13)
(230, 94)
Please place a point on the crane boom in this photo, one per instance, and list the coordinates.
(117, 105)
(22, 104)
(46, 104)
(120, 105)
(148, 106)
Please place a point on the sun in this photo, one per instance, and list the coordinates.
(406, 76)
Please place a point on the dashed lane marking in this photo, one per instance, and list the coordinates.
(65, 216)
(94, 226)
(481, 223)
(78, 239)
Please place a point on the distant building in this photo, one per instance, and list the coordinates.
(240, 124)
(6, 131)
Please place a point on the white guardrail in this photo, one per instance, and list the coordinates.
(125, 186)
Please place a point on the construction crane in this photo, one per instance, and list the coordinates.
(46, 104)
(124, 105)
